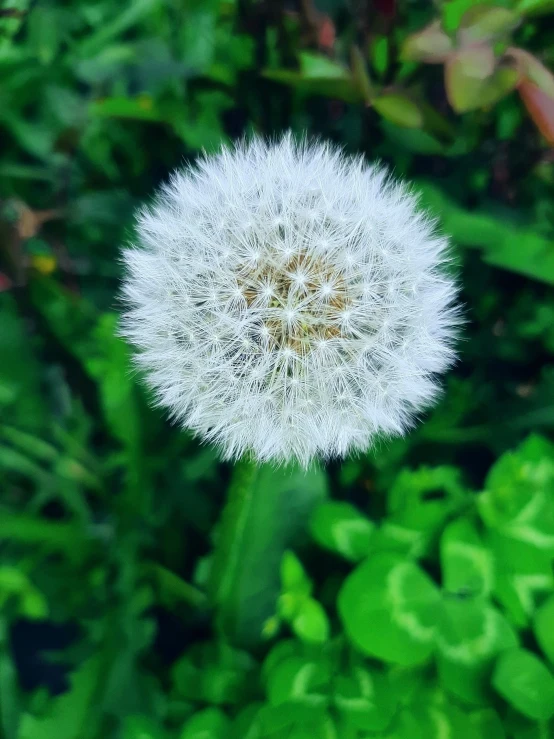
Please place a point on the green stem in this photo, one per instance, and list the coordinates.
(231, 530)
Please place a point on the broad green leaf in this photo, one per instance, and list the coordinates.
(72, 715)
(141, 727)
(543, 626)
(533, 70)
(467, 565)
(211, 723)
(419, 503)
(534, 7)
(486, 724)
(380, 54)
(310, 623)
(293, 575)
(430, 45)
(14, 584)
(485, 22)
(364, 699)
(300, 680)
(504, 245)
(244, 582)
(473, 81)
(216, 674)
(319, 75)
(453, 12)
(526, 683)
(517, 501)
(469, 636)
(388, 607)
(523, 576)
(398, 108)
(341, 528)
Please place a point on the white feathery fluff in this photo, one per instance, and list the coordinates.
(289, 301)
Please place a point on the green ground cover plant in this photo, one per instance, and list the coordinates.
(404, 593)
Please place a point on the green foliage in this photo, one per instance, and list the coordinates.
(148, 591)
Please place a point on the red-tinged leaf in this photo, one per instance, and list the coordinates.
(5, 282)
(326, 34)
(482, 23)
(431, 45)
(466, 73)
(532, 70)
(386, 7)
(540, 107)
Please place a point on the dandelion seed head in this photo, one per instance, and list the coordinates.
(288, 301)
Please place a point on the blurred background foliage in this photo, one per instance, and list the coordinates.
(405, 594)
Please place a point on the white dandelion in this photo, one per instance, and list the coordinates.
(289, 301)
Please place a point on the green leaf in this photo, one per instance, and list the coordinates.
(504, 244)
(517, 501)
(486, 724)
(21, 399)
(141, 727)
(523, 575)
(310, 624)
(526, 683)
(293, 575)
(341, 528)
(470, 634)
(419, 503)
(473, 81)
(431, 45)
(399, 601)
(380, 54)
(534, 7)
(208, 724)
(398, 108)
(72, 715)
(300, 680)
(533, 70)
(214, 673)
(467, 565)
(543, 626)
(453, 12)
(319, 75)
(244, 582)
(485, 22)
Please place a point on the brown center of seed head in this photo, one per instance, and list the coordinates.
(316, 302)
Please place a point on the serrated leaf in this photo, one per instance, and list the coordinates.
(526, 683)
(399, 601)
(244, 582)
